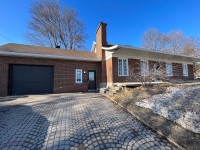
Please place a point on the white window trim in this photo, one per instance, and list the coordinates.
(186, 71)
(144, 75)
(169, 75)
(123, 67)
(81, 76)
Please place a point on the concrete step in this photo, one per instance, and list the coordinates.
(103, 90)
(111, 90)
(117, 88)
(114, 91)
(109, 93)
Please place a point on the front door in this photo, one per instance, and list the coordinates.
(92, 80)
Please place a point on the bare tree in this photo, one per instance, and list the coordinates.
(174, 42)
(192, 46)
(52, 24)
(151, 39)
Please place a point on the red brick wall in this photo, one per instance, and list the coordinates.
(162, 65)
(197, 70)
(134, 70)
(101, 41)
(190, 72)
(177, 70)
(103, 69)
(109, 68)
(64, 73)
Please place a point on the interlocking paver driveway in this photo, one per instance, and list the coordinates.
(72, 121)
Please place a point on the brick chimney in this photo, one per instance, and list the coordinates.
(101, 40)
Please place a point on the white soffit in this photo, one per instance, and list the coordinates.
(146, 50)
(141, 54)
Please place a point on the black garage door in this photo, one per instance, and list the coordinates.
(26, 79)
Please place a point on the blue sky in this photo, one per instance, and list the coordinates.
(127, 19)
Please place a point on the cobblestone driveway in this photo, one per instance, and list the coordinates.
(72, 121)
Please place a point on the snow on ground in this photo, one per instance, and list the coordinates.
(180, 104)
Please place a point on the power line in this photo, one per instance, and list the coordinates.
(7, 38)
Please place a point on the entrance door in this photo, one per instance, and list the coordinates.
(92, 80)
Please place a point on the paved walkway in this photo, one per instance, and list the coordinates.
(72, 121)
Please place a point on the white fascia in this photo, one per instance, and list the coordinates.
(147, 50)
(15, 54)
(111, 48)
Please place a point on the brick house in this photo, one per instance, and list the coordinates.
(26, 69)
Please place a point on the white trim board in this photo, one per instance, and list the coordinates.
(15, 54)
(110, 48)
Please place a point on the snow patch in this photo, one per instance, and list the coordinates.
(180, 104)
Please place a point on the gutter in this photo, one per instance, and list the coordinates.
(111, 48)
(30, 55)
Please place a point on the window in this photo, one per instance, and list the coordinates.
(169, 69)
(144, 68)
(78, 75)
(156, 67)
(123, 67)
(185, 70)
(91, 76)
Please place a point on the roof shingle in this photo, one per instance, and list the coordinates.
(19, 48)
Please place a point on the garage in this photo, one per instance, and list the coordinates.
(31, 79)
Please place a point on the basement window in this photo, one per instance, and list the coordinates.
(78, 75)
(122, 67)
(185, 70)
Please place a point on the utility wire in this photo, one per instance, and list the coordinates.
(7, 38)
